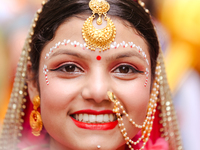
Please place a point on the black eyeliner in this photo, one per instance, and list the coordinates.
(65, 65)
(135, 70)
(57, 68)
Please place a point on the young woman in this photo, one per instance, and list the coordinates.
(91, 76)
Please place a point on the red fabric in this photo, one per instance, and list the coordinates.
(155, 133)
(160, 144)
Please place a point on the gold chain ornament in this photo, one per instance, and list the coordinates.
(35, 117)
(98, 38)
(148, 123)
(14, 118)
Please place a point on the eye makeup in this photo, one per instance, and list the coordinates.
(83, 46)
(45, 70)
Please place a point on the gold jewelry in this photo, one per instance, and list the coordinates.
(35, 117)
(143, 5)
(98, 38)
(147, 124)
(13, 122)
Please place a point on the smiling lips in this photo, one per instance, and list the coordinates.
(95, 120)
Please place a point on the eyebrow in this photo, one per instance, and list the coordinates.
(130, 53)
(68, 52)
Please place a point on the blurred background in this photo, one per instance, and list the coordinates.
(178, 27)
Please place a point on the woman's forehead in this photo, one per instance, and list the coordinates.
(68, 37)
(72, 29)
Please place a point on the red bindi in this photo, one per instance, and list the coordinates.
(98, 57)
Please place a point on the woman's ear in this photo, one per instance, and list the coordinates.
(32, 82)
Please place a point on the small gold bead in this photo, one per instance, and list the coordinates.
(34, 25)
(22, 113)
(31, 33)
(25, 93)
(24, 106)
(24, 100)
(36, 19)
(146, 10)
(39, 11)
(43, 3)
(142, 3)
(19, 134)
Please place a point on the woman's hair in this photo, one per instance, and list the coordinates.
(55, 12)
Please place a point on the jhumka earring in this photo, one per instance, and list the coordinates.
(35, 117)
(148, 123)
(98, 38)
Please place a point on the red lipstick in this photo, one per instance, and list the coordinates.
(95, 126)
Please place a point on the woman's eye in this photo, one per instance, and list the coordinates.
(126, 69)
(69, 68)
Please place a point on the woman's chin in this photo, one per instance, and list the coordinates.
(92, 140)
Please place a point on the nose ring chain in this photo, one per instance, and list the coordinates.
(150, 116)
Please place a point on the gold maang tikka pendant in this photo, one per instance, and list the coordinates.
(98, 38)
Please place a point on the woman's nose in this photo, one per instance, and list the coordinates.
(96, 86)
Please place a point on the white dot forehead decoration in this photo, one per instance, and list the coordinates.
(83, 46)
(147, 76)
(115, 45)
(45, 70)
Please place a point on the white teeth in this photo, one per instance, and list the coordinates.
(76, 116)
(81, 117)
(99, 118)
(85, 118)
(111, 117)
(103, 118)
(92, 118)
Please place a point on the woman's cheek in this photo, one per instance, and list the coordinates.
(135, 98)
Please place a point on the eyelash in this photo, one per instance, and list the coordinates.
(133, 70)
(115, 70)
(64, 67)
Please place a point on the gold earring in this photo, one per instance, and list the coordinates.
(98, 38)
(35, 117)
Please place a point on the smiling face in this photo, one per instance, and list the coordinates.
(75, 108)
